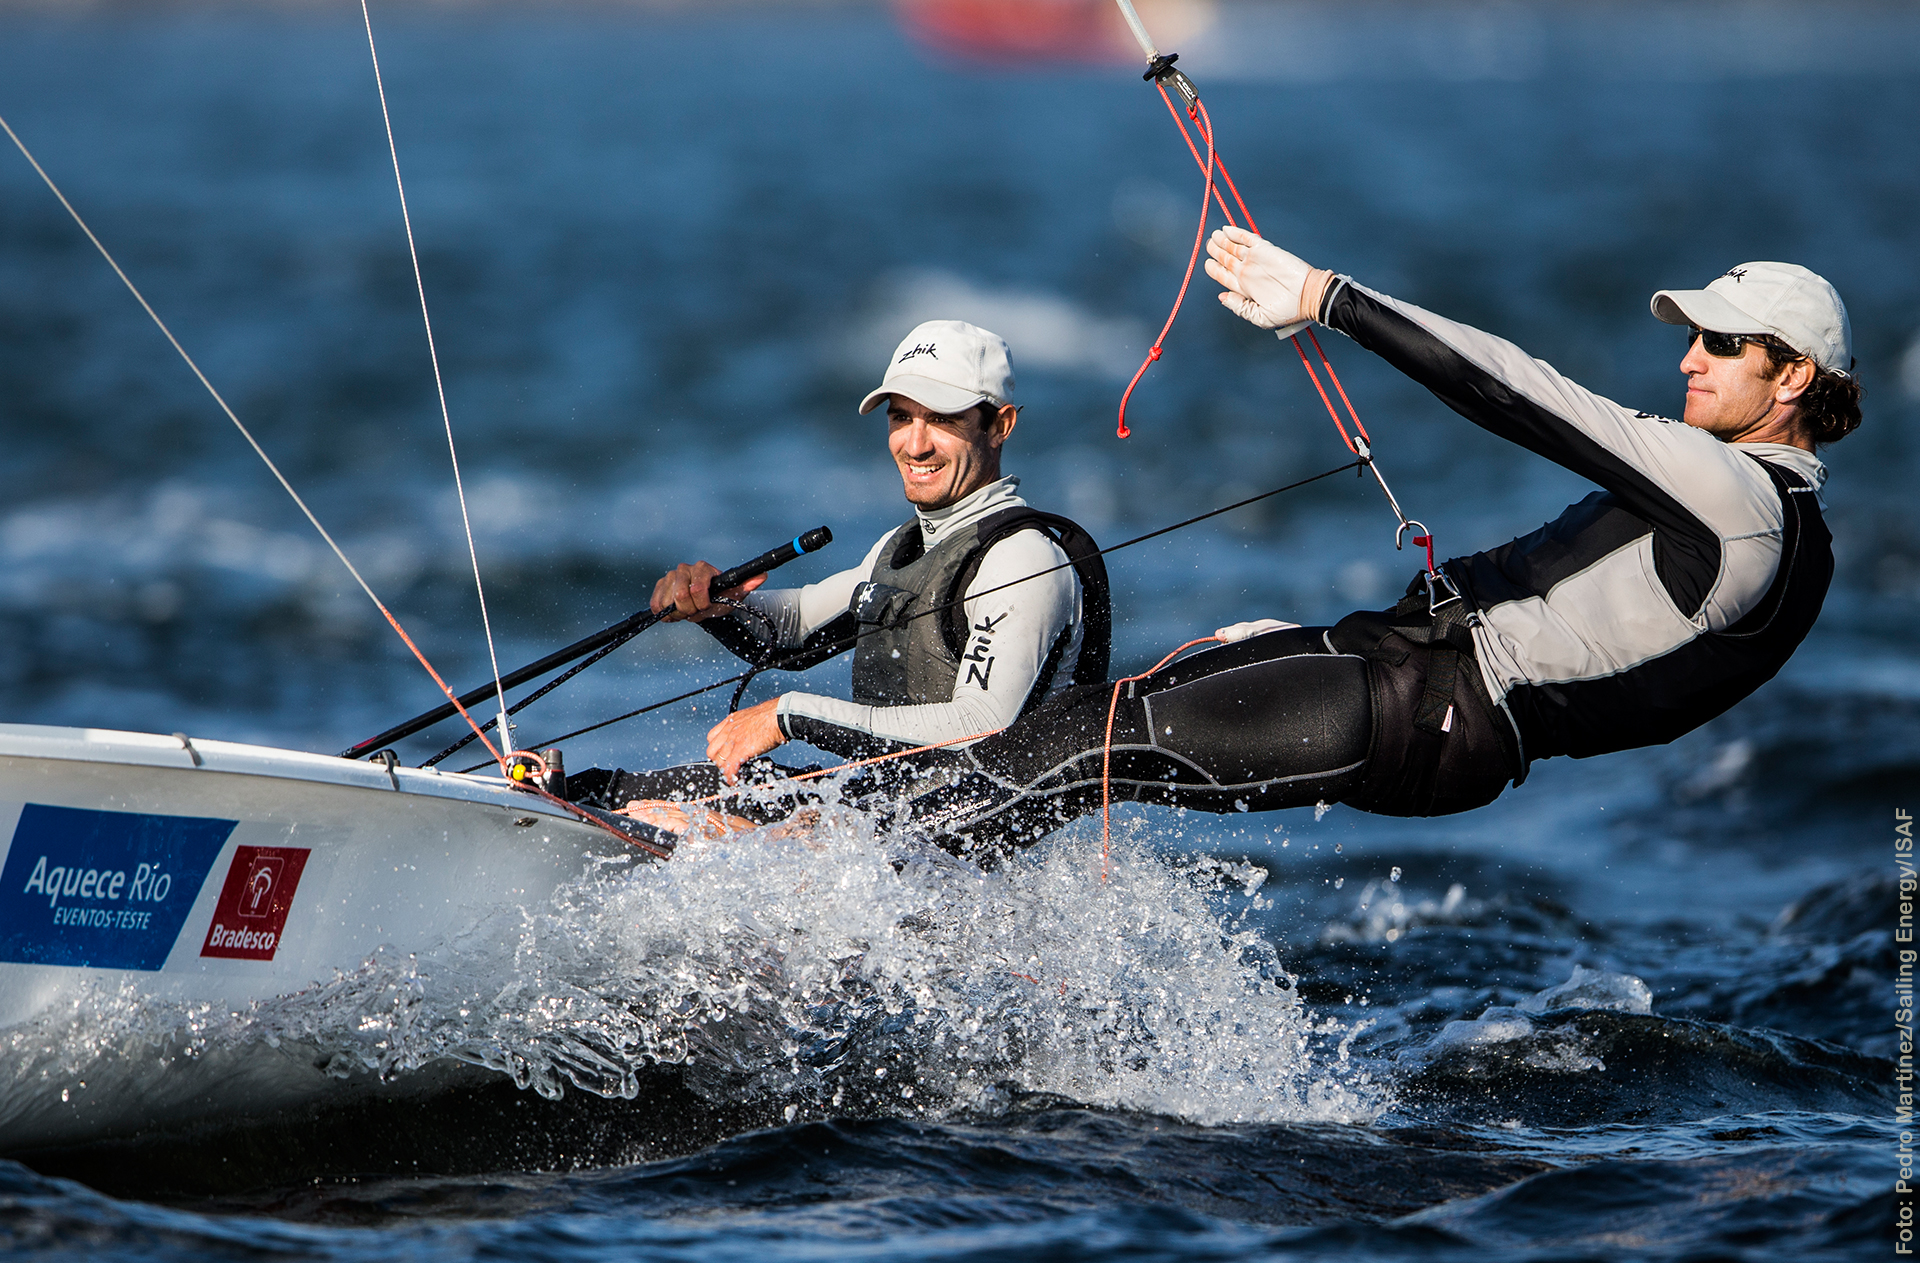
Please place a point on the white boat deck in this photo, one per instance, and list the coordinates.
(188, 753)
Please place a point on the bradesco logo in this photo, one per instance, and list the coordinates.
(109, 889)
(252, 912)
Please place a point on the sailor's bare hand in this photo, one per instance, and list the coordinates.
(682, 593)
(661, 815)
(677, 819)
(745, 734)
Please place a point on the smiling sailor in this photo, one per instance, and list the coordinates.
(1640, 613)
(1008, 641)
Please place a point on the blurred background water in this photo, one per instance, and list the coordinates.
(668, 249)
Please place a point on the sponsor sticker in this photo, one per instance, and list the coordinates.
(252, 911)
(106, 889)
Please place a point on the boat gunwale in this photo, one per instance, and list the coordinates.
(192, 754)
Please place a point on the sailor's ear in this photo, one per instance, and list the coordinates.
(1795, 376)
(1002, 424)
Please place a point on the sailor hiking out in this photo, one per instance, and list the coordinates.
(967, 615)
(1641, 612)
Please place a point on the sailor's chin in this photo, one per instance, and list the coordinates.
(926, 492)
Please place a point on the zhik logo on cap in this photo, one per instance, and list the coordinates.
(1783, 299)
(948, 366)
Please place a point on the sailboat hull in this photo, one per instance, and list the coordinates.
(183, 872)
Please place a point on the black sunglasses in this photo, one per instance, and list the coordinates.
(1724, 346)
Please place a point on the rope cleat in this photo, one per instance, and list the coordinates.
(1161, 70)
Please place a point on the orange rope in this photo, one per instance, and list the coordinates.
(1193, 260)
(422, 658)
(1106, 756)
(537, 787)
(1193, 112)
(897, 754)
(1208, 165)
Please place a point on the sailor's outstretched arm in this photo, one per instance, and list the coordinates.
(1652, 463)
(1698, 493)
(1706, 501)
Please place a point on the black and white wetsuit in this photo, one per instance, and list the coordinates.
(1626, 621)
(1641, 612)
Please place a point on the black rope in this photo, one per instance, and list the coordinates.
(769, 659)
(534, 696)
(578, 667)
(846, 642)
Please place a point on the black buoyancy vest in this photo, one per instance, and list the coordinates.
(1662, 699)
(904, 660)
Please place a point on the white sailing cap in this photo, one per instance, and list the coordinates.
(948, 366)
(1784, 299)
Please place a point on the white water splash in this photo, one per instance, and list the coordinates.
(837, 973)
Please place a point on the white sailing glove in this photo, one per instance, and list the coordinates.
(1258, 627)
(1264, 285)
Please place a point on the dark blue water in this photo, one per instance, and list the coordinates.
(666, 254)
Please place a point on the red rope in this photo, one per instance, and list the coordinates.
(1426, 542)
(1106, 755)
(1335, 379)
(1308, 365)
(1203, 122)
(1193, 112)
(1193, 260)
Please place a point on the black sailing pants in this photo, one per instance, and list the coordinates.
(1281, 720)
(1287, 719)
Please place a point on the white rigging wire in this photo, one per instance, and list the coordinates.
(1139, 30)
(217, 397)
(505, 728)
